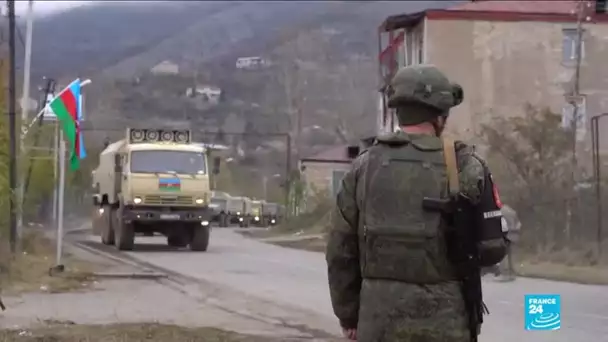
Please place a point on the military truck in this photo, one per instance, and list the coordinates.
(256, 213)
(154, 180)
(218, 204)
(270, 213)
(236, 207)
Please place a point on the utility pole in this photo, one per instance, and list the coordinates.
(24, 108)
(12, 128)
(575, 100)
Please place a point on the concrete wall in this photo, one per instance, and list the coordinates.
(318, 175)
(504, 65)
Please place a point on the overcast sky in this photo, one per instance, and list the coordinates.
(46, 7)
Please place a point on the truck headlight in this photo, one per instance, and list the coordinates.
(101, 210)
(273, 221)
(238, 213)
(240, 219)
(204, 223)
(256, 218)
(137, 200)
(199, 201)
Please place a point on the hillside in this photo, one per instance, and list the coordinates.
(89, 38)
(323, 73)
(321, 84)
(121, 39)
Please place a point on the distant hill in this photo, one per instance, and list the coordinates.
(89, 38)
(124, 38)
(324, 70)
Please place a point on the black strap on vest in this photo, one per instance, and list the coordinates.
(461, 237)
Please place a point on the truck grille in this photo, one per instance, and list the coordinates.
(168, 200)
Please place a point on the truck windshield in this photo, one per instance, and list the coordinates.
(168, 162)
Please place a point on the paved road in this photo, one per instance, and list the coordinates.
(297, 279)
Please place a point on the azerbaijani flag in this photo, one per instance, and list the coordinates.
(67, 107)
(169, 184)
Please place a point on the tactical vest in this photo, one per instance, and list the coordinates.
(400, 241)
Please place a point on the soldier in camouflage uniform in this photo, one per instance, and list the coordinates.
(506, 267)
(389, 276)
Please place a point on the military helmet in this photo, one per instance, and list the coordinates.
(423, 84)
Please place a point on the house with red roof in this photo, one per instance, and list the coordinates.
(505, 54)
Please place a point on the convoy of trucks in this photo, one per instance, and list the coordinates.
(158, 181)
(243, 211)
(154, 181)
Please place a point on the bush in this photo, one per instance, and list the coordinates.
(317, 219)
(531, 158)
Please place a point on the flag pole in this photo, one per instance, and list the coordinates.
(55, 171)
(59, 266)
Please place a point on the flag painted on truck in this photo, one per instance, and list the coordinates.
(68, 109)
(169, 184)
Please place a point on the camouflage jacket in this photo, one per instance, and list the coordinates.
(385, 310)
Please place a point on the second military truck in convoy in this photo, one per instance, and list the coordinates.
(270, 213)
(154, 181)
(218, 203)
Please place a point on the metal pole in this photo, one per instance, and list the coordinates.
(595, 123)
(12, 128)
(265, 187)
(24, 109)
(60, 201)
(287, 175)
(55, 170)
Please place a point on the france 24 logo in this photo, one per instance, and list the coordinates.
(542, 312)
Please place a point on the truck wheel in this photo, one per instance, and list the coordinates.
(107, 231)
(200, 238)
(246, 223)
(124, 233)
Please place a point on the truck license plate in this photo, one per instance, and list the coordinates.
(169, 216)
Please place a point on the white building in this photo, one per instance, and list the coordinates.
(210, 94)
(250, 62)
(165, 68)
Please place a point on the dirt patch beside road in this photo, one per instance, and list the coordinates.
(125, 332)
(29, 271)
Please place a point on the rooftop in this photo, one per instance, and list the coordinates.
(334, 154)
(491, 10)
(545, 7)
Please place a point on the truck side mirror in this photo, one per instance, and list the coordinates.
(352, 151)
(117, 163)
(216, 165)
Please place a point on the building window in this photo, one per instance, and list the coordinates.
(420, 51)
(415, 46)
(580, 120)
(570, 38)
(336, 181)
